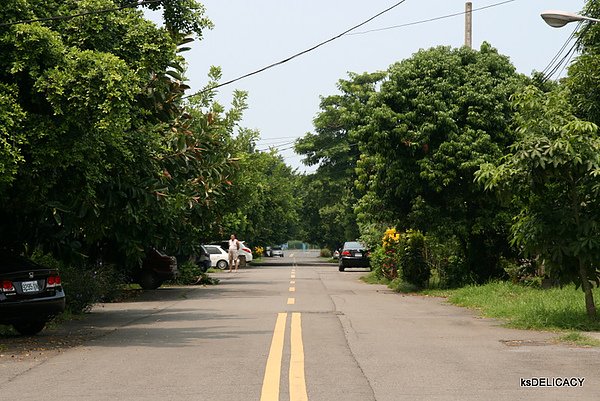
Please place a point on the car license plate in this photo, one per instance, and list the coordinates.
(358, 255)
(30, 286)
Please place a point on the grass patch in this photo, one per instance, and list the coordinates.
(403, 287)
(372, 278)
(526, 307)
(579, 340)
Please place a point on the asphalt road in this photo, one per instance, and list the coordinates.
(296, 330)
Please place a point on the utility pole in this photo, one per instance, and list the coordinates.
(469, 24)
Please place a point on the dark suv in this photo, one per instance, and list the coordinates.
(30, 294)
(156, 269)
(353, 254)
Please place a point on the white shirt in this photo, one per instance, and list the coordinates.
(233, 244)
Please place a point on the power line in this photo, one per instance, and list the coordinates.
(297, 54)
(555, 64)
(83, 13)
(430, 19)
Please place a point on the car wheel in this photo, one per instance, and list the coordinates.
(149, 281)
(222, 264)
(341, 267)
(30, 328)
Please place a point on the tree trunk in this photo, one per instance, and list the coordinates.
(590, 307)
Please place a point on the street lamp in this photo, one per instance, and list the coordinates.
(558, 19)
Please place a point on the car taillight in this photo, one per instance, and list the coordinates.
(346, 253)
(7, 286)
(246, 250)
(53, 281)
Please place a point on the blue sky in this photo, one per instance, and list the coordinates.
(284, 100)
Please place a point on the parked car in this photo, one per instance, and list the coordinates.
(336, 254)
(203, 260)
(353, 254)
(30, 294)
(245, 253)
(156, 269)
(219, 258)
(277, 251)
(268, 251)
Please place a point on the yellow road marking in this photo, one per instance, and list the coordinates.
(291, 301)
(270, 387)
(297, 378)
(293, 276)
(293, 282)
(292, 289)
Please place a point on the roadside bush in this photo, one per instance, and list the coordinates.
(325, 253)
(415, 269)
(189, 272)
(85, 285)
(447, 262)
(377, 257)
(402, 286)
(391, 258)
(455, 273)
(523, 271)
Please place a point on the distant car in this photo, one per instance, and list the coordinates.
(353, 254)
(218, 257)
(156, 268)
(277, 251)
(30, 294)
(336, 254)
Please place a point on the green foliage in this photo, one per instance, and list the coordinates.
(378, 260)
(189, 272)
(325, 253)
(85, 285)
(435, 119)
(415, 269)
(11, 137)
(104, 158)
(552, 175)
(260, 206)
(525, 307)
(579, 340)
(295, 244)
(329, 195)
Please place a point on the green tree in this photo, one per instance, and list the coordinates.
(261, 206)
(437, 117)
(99, 154)
(553, 175)
(329, 195)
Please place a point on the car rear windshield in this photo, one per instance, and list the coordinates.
(12, 263)
(353, 245)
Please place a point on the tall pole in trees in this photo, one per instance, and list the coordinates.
(469, 24)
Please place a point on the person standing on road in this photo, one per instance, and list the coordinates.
(234, 248)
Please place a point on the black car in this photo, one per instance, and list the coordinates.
(30, 294)
(353, 254)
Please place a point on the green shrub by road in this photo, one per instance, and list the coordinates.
(526, 307)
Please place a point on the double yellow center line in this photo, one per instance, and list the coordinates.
(297, 380)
